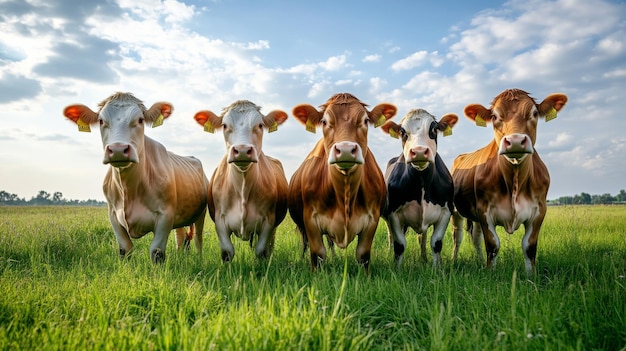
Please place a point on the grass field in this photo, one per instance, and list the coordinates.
(63, 287)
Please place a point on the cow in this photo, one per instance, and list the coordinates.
(339, 189)
(248, 190)
(419, 186)
(147, 188)
(505, 183)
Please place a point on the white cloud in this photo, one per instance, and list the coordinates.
(372, 58)
(334, 63)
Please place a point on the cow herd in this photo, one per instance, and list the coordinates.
(338, 191)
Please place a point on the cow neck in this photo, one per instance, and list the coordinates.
(346, 185)
(515, 176)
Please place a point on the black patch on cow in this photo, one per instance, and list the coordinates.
(406, 184)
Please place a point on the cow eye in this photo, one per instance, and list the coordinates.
(366, 122)
(101, 121)
(140, 121)
(432, 133)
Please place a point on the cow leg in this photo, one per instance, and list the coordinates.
(477, 238)
(223, 236)
(265, 243)
(422, 240)
(397, 235)
(457, 233)
(436, 240)
(492, 243)
(530, 239)
(122, 237)
(199, 226)
(162, 229)
(182, 238)
(364, 246)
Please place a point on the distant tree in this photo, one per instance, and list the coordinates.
(57, 197)
(621, 197)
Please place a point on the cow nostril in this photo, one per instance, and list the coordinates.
(249, 152)
(127, 151)
(354, 151)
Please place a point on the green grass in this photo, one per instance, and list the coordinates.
(62, 287)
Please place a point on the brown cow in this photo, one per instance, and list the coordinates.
(148, 189)
(339, 190)
(505, 183)
(248, 190)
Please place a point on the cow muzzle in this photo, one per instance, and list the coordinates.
(242, 156)
(515, 147)
(345, 155)
(420, 157)
(120, 155)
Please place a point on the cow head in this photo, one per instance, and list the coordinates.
(243, 126)
(418, 131)
(345, 121)
(514, 115)
(122, 118)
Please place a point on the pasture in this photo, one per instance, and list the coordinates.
(63, 287)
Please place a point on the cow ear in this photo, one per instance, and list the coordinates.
(381, 113)
(209, 120)
(307, 115)
(82, 112)
(447, 121)
(478, 113)
(276, 117)
(391, 128)
(556, 101)
(158, 112)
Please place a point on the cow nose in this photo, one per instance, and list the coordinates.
(117, 151)
(346, 153)
(419, 153)
(516, 143)
(242, 153)
(345, 150)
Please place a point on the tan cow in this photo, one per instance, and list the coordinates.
(248, 190)
(339, 190)
(505, 183)
(148, 189)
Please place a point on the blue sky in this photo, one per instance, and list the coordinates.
(199, 55)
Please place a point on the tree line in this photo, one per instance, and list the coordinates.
(44, 198)
(587, 199)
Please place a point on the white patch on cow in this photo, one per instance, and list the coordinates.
(416, 124)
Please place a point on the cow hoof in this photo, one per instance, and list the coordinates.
(158, 256)
(226, 256)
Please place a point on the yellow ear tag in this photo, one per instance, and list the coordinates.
(551, 115)
(480, 121)
(158, 121)
(380, 121)
(310, 127)
(82, 126)
(447, 131)
(393, 134)
(273, 127)
(208, 127)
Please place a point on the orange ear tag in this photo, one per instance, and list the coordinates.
(447, 131)
(393, 134)
(310, 127)
(158, 121)
(82, 126)
(551, 115)
(380, 121)
(480, 121)
(273, 127)
(208, 127)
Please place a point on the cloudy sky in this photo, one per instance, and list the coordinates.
(207, 54)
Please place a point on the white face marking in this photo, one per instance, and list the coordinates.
(419, 147)
(243, 127)
(122, 124)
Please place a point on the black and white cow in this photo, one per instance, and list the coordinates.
(419, 186)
